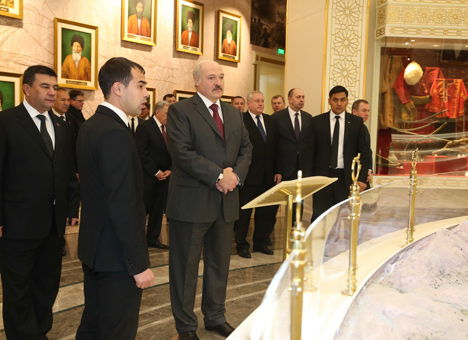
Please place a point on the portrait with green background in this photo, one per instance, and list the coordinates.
(146, 9)
(67, 35)
(234, 24)
(196, 23)
(8, 92)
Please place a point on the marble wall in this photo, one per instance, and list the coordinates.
(31, 41)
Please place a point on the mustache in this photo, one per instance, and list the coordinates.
(217, 87)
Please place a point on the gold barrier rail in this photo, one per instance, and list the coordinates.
(412, 193)
(355, 203)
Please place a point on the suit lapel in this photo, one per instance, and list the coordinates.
(59, 131)
(346, 127)
(156, 128)
(253, 127)
(199, 105)
(287, 121)
(326, 123)
(108, 112)
(31, 127)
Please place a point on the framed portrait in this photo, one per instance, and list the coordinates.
(229, 36)
(11, 93)
(12, 8)
(181, 95)
(151, 99)
(189, 35)
(227, 99)
(76, 54)
(139, 21)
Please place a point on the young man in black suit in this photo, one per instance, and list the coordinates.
(38, 191)
(211, 152)
(264, 173)
(150, 139)
(337, 138)
(112, 242)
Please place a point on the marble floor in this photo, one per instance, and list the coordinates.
(248, 281)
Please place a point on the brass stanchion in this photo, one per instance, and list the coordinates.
(355, 203)
(297, 267)
(412, 193)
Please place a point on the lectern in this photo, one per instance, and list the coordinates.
(287, 193)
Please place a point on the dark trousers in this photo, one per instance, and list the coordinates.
(155, 204)
(30, 271)
(184, 258)
(112, 305)
(330, 195)
(264, 219)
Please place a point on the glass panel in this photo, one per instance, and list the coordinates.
(423, 103)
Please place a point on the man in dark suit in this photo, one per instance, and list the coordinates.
(294, 136)
(38, 191)
(77, 101)
(361, 108)
(61, 106)
(264, 173)
(337, 138)
(133, 122)
(150, 139)
(211, 154)
(111, 241)
(294, 142)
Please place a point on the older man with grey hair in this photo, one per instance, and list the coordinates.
(211, 154)
(150, 138)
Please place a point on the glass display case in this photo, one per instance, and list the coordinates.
(423, 104)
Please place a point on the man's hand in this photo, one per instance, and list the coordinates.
(162, 175)
(369, 176)
(145, 279)
(362, 186)
(229, 181)
(72, 221)
(278, 178)
(1, 230)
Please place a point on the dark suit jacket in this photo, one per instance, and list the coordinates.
(264, 163)
(112, 231)
(289, 148)
(77, 114)
(72, 128)
(355, 142)
(370, 150)
(153, 151)
(199, 154)
(30, 180)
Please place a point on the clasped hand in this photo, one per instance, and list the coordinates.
(229, 181)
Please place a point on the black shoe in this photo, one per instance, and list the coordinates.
(263, 249)
(157, 244)
(190, 335)
(223, 329)
(245, 253)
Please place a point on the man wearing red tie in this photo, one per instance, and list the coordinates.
(211, 154)
(150, 138)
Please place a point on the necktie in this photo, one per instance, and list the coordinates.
(45, 135)
(336, 137)
(217, 119)
(163, 132)
(297, 127)
(260, 127)
(133, 126)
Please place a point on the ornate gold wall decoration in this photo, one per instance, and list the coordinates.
(422, 18)
(346, 52)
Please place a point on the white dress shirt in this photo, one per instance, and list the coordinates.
(292, 115)
(118, 111)
(49, 124)
(209, 102)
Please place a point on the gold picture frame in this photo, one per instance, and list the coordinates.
(68, 35)
(151, 99)
(229, 36)
(11, 92)
(180, 94)
(12, 8)
(189, 13)
(140, 31)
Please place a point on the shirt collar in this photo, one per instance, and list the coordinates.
(208, 102)
(333, 115)
(254, 117)
(32, 111)
(292, 112)
(157, 122)
(118, 111)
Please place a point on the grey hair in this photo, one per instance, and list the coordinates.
(250, 95)
(198, 68)
(160, 105)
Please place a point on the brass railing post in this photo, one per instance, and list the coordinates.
(355, 203)
(412, 193)
(297, 267)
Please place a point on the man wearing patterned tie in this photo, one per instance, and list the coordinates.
(264, 173)
(211, 154)
(38, 192)
(337, 137)
(150, 138)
